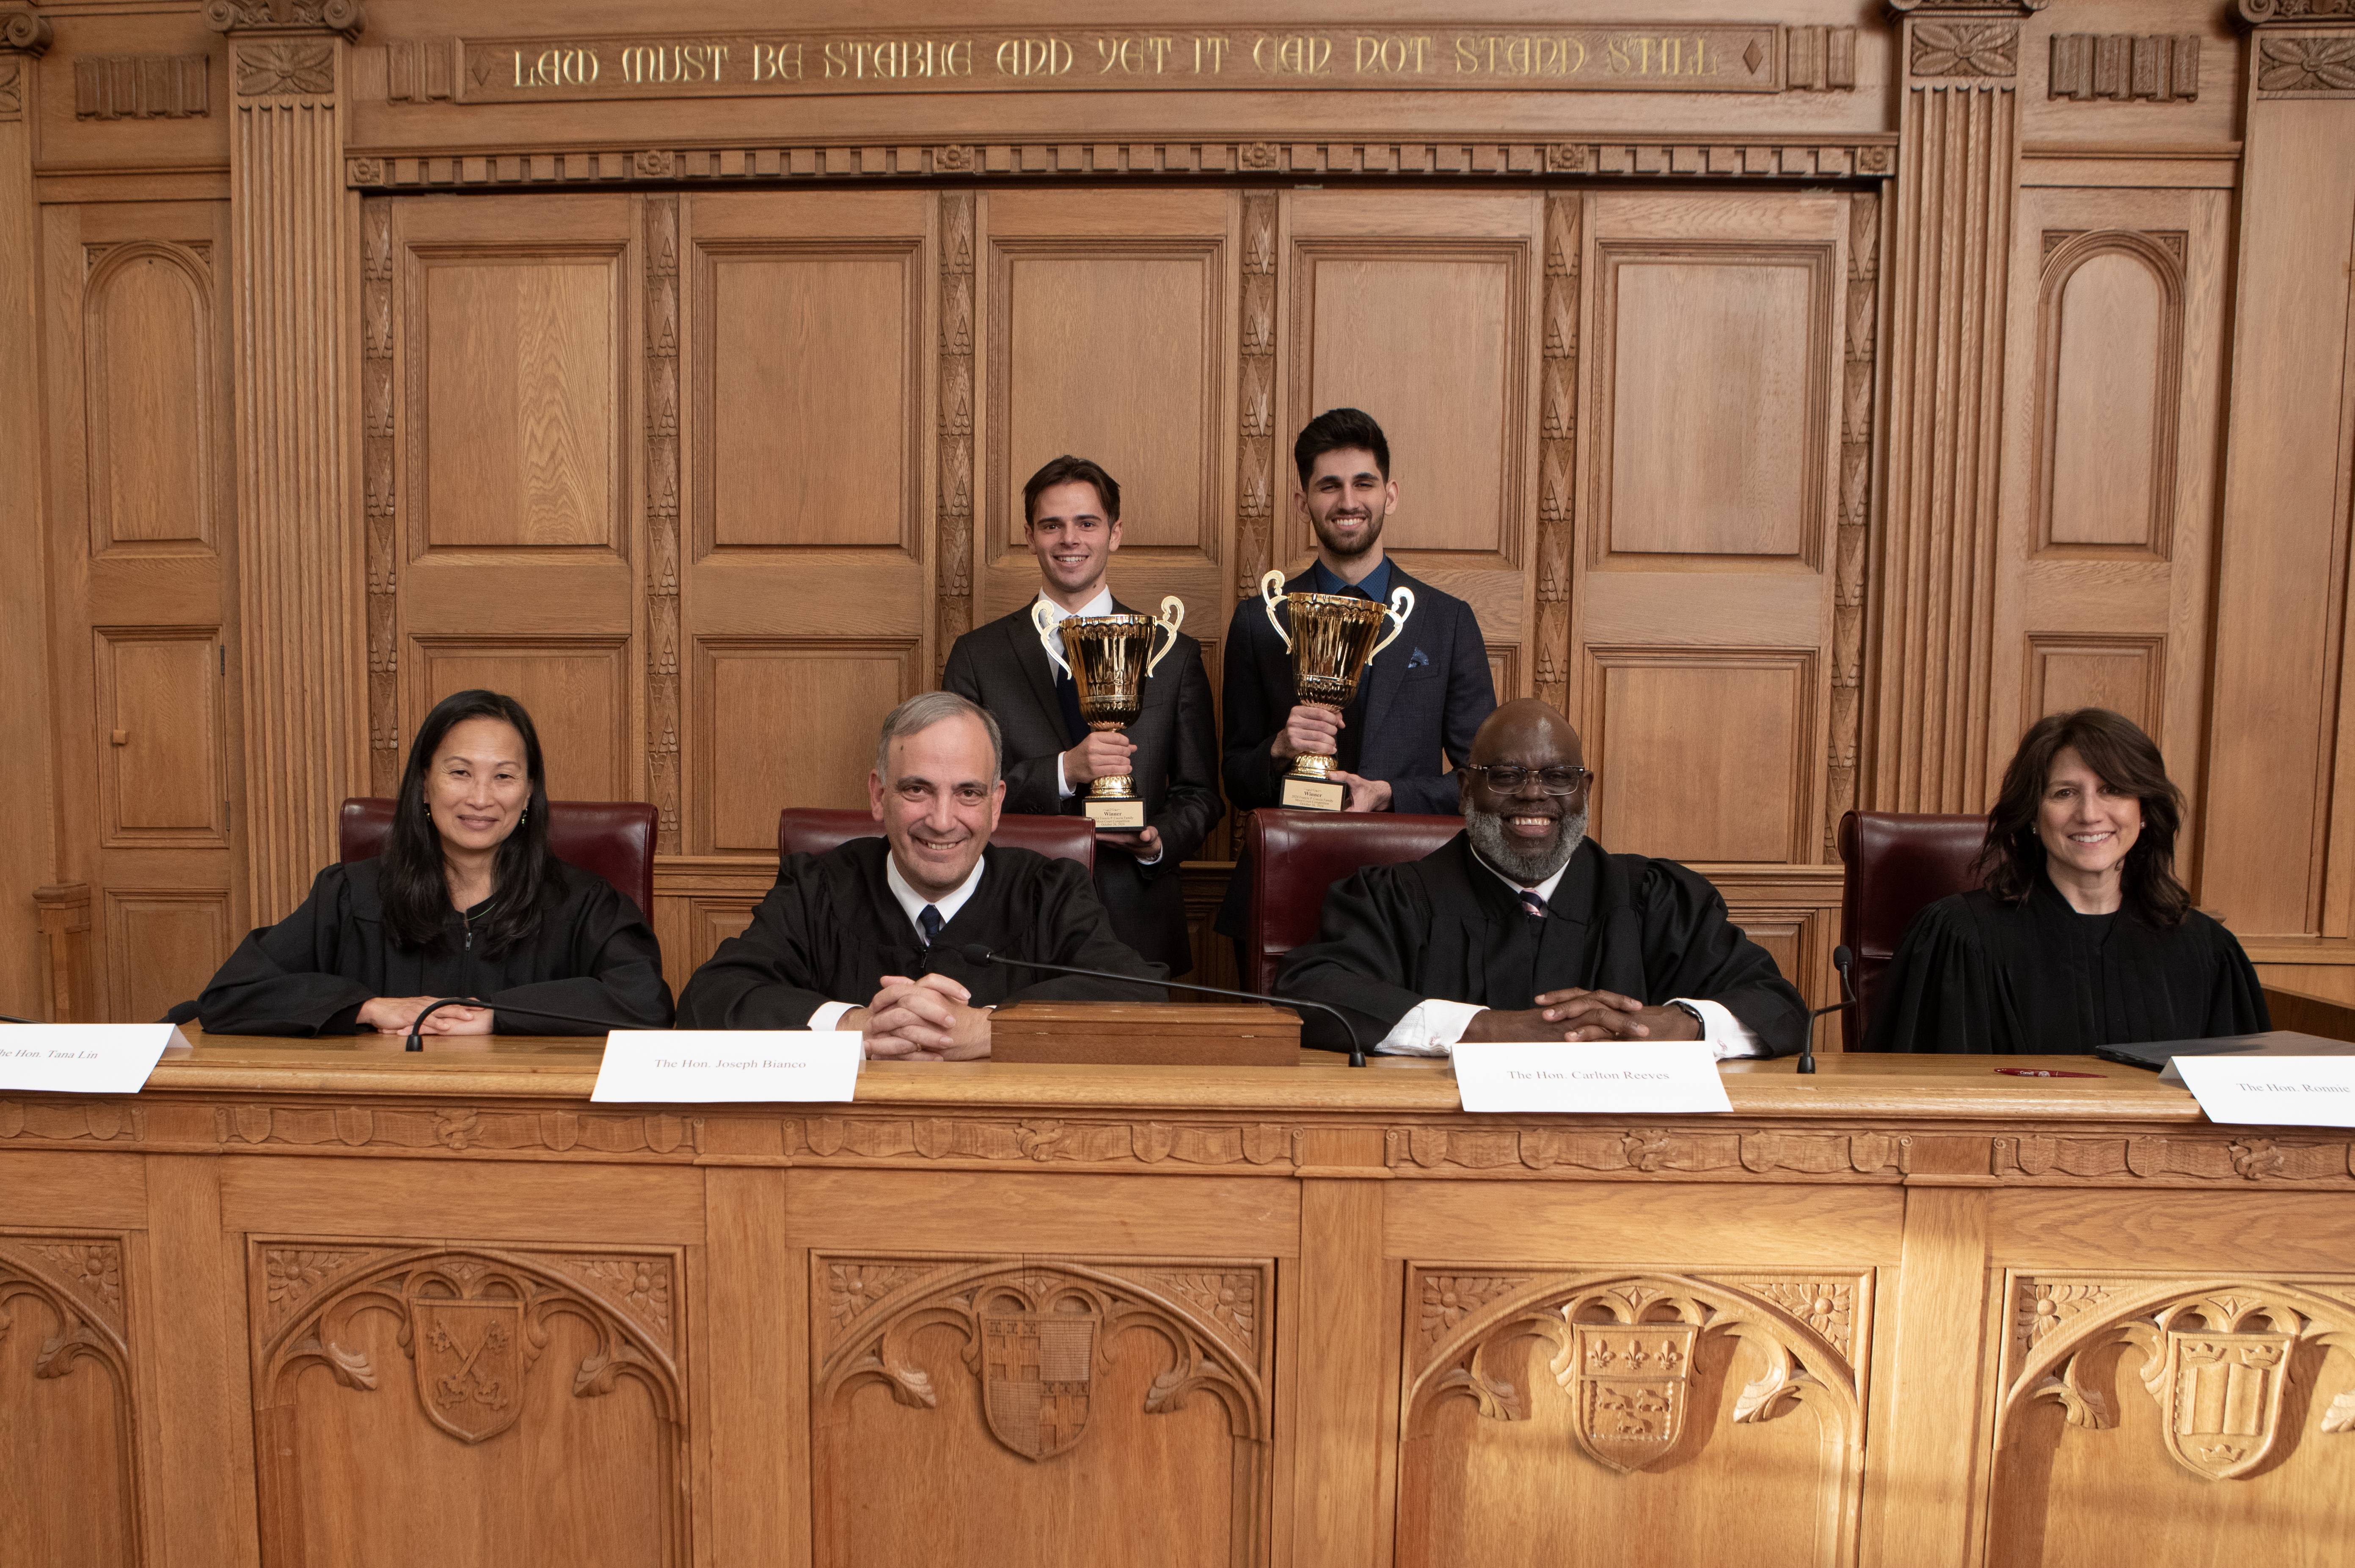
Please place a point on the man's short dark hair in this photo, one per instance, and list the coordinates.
(1340, 430)
(1069, 470)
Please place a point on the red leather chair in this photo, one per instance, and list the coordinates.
(808, 830)
(1297, 856)
(614, 838)
(1896, 863)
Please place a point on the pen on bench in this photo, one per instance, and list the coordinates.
(2046, 1072)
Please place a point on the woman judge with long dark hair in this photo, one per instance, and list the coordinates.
(2079, 935)
(466, 901)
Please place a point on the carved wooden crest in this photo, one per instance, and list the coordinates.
(2222, 1396)
(1036, 1370)
(470, 1355)
(1631, 1385)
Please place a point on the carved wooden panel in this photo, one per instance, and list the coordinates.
(1712, 365)
(809, 355)
(788, 721)
(1703, 754)
(162, 777)
(515, 375)
(977, 1408)
(1431, 335)
(69, 1403)
(2214, 1409)
(577, 690)
(1112, 349)
(164, 945)
(1548, 1411)
(149, 382)
(2109, 392)
(470, 1404)
(2126, 674)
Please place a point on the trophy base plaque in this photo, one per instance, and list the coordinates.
(1117, 816)
(1314, 794)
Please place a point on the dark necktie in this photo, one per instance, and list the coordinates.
(1531, 904)
(1067, 693)
(928, 921)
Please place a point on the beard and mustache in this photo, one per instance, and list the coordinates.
(1526, 864)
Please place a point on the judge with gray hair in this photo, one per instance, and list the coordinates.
(869, 935)
(1522, 928)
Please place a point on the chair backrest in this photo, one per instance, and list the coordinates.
(1297, 856)
(1897, 863)
(808, 830)
(614, 838)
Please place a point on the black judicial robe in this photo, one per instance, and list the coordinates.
(1446, 927)
(830, 930)
(1975, 975)
(594, 956)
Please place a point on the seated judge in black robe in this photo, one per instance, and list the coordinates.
(2080, 935)
(1520, 928)
(466, 901)
(868, 935)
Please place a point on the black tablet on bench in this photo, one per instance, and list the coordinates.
(2157, 1054)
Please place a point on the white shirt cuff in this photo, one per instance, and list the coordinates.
(1062, 785)
(1431, 1029)
(829, 1015)
(1729, 1038)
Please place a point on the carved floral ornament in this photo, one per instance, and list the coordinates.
(1036, 1336)
(1966, 49)
(2321, 65)
(1631, 1354)
(2233, 1366)
(79, 1280)
(343, 16)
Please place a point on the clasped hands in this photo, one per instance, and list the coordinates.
(928, 1018)
(395, 1015)
(1311, 731)
(1574, 1016)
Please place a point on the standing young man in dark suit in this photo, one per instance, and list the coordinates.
(1072, 519)
(1421, 700)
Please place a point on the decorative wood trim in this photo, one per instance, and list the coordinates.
(2259, 13)
(2149, 647)
(1850, 155)
(1257, 482)
(2124, 66)
(1557, 447)
(1853, 543)
(378, 479)
(341, 18)
(142, 87)
(952, 527)
(1933, 653)
(2319, 65)
(301, 594)
(662, 333)
(1962, 49)
(79, 1279)
(65, 933)
(24, 35)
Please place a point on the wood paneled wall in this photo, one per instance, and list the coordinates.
(1803, 461)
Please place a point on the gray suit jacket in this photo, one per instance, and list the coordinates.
(1001, 667)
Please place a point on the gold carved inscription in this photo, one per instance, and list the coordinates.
(1704, 57)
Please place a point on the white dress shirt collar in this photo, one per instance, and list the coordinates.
(1099, 605)
(912, 902)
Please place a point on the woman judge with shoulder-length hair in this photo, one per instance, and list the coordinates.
(2080, 935)
(466, 901)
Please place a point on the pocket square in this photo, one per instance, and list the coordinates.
(1418, 660)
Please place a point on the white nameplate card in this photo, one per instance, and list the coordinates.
(779, 1065)
(1606, 1078)
(2272, 1090)
(82, 1059)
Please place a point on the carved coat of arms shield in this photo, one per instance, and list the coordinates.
(1631, 1383)
(1035, 1374)
(470, 1361)
(2224, 1397)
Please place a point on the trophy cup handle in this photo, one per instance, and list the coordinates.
(1401, 606)
(1270, 592)
(1173, 615)
(1044, 619)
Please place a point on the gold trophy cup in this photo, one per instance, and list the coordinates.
(1110, 658)
(1331, 643)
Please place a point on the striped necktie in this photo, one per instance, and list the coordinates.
(1531, 904)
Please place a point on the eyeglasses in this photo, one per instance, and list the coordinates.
(1507, 778)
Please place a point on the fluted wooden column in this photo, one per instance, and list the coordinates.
(1934, 571)
(300, 545)
(29, 849)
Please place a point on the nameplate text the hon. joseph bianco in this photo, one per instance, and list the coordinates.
(2272, 1090)
(1609, 1077)
(779, 1065)
(82, 1059)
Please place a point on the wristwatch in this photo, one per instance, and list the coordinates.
(1700, 1023)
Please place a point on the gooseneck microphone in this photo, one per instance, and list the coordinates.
(1845, 962)
(981, 958)
(602, 1025)
(12, 1019)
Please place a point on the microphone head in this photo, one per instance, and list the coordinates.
(1841, 957)
(976, 954)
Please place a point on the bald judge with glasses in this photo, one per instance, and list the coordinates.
(1522, 928)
